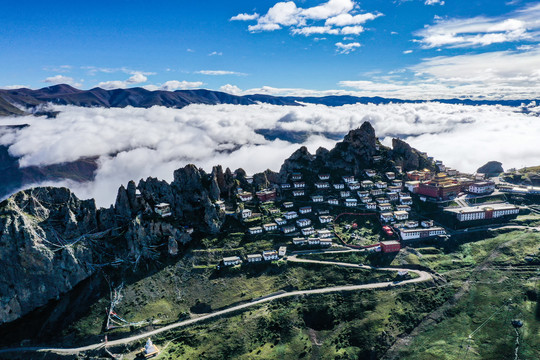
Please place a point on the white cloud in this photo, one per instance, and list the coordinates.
(347, 48)
(215, 53)
(219, 72)
(173, 85)
(245, 17)
(521, 25)
(58, 69)
(231, 89)
(134, 143)
(434, 2)
(407, 51)
(62, 79)
(348, 19)
(307, 21)
(11, 87)
(93, 70)
(136, 78)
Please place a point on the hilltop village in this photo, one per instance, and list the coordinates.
(320, 208)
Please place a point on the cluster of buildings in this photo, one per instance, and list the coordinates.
(267, 255)
(486, 212)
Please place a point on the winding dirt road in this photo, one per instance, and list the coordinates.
(422, 276)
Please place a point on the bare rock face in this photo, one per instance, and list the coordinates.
(409, 158)
(37, 262)
(491, 168)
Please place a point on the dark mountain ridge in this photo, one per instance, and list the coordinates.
(12, 100)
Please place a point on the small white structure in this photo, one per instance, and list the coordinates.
(339, 186)
(370, 172)
(387, 216)
(251, 258)
(390, 175)
(362, 194)
(303, 222)
(385, 207)
(367, 184)
(426, 223)
(269, 255)
(317, 198)
(299, 241)
(401, 215)
(280, 221)
(324, 176)
(246, 213)
(411, 224)
(322, 185)
(287, 229)
(366, 200)
(298, 192)
(282, 251)
(371, 205)
(376, 192)
(290, 215)
(220, 205)
(270, 227)
(149, 350)
(285, 186)
(296, 176)
(255, 230)
(403, 207)
(245, 196)
(333, 201)
(351, 202)
(326, 219)
(288, 204)
(410, 234)
(348, 178)
(381, 185)
(482, 187)
(305, 209)
(163, 209)
(345, 194)
(314, 241)
(325, 242)
(308, 231)
(324, 234)
(231, 260)
(355, 185)
(392, 196)
(299, 185)
(406, 200)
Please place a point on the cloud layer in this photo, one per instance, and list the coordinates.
(134, 143)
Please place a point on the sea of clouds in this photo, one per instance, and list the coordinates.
(134, 143)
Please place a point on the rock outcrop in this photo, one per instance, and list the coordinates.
(409, 158)
(491, 168)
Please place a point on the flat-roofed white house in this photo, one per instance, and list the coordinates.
(390, 175)
(270, 227)
(323, 233)
(288, 204)
(339, 186)
(366, 200)
(333, 201)
(392, 196)
(426, 223)
(254, 258)
(314, 241)
(351, 202)
(285, 186)
(299, 185)
(220, 205)
(411, 224)
(296, 176)
(287, 229)
(163, 209)
(246, 213)
(269, 255)
(344, 193)
(255, 230)
(231, 260)
(381, 185)
(401, 215)
(299, 241)
(371, 205)
(303, 222)
(403, 207)
(376, 192)
(384, 207)
(245, 196)
(355, 185)
(418, 233)
(367, 184)
(317, 198)
(482, 187)
(326, 219)
(280, 221)
(362, 194)
(348, 178)
(325, 242)
(387, 216)
(322, 185)
(324, 176)
(298, 192)
(305, 209)
(370, 172)
(308, 231)
(406, 200)
(282, 251)
(290, 215)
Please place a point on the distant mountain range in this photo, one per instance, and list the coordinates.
(12, 102)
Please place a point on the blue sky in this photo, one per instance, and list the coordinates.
(406, 49)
